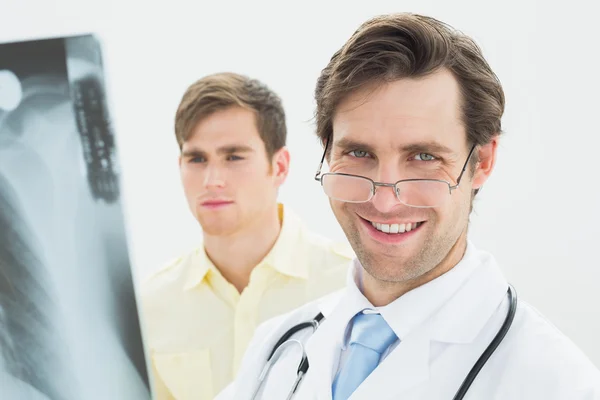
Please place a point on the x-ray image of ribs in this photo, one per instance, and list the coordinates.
(31, 350)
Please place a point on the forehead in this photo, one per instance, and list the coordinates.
(403, 112)
(233, 125)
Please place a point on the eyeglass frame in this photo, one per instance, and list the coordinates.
(374, 184)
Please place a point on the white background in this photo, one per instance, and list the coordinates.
(540, 212)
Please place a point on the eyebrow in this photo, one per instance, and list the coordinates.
(351, 144)
(230, 149)
(426, 146)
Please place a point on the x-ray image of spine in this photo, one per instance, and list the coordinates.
(57, 152)
(84, 67)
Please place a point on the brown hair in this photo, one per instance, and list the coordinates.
(391, 47)
(226, 89)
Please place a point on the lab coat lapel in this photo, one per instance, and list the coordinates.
(258, 356)
(459, 326)
(406, 367)
(285, 368)
(323, 348)
(470, 308)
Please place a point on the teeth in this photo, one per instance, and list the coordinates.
(395, 228)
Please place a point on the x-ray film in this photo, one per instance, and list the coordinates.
(69, 327)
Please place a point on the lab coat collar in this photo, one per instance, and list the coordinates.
(421, 305)
(438, 301)
(469, 308)
(286, 257)
(412, 309)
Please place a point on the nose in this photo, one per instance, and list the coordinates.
(385, 198)
(214, 177)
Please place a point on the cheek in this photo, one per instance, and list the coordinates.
(252, 182)
(340, 209)
(192, 182)
(335, 206)
(190, 179)
(456, 209)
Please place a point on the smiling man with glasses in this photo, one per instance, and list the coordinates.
(409, 113)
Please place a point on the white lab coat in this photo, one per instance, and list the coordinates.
(535, 361)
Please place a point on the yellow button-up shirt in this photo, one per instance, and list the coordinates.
(197, 325)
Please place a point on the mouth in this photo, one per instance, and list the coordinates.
(396, 228)
(389, 232)
(213, 204)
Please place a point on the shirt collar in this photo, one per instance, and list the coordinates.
(415, 307)
(197, 268)
(287, 256)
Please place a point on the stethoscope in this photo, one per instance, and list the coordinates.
(285, 342)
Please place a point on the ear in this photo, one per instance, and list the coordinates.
(486, 163)
(281, 165)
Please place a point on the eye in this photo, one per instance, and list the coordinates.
(358, 153)
(233, 157)
(195, 160)
(424, 157)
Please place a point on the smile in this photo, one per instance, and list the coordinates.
(396, 228)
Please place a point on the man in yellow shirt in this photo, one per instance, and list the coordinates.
(256, 260)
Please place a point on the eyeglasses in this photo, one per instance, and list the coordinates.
(419, 193)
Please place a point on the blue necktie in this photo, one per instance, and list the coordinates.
(370, 337)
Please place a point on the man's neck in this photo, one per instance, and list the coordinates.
(236, 256)
(381, 293)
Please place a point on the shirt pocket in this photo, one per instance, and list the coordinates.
(187, 375)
